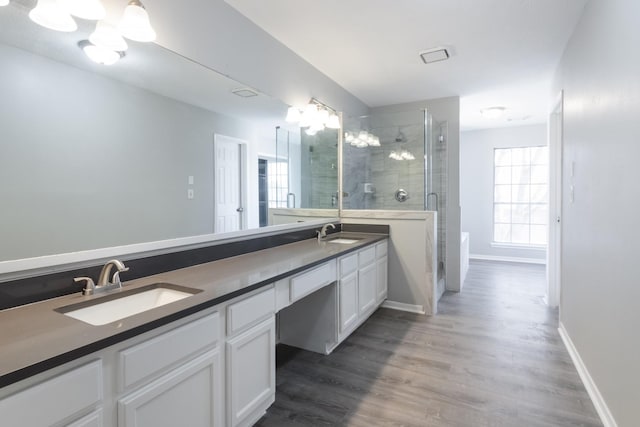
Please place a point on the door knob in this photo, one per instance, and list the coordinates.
(240, 209)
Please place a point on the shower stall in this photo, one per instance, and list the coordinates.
(398, 161)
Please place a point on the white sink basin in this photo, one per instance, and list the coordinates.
(134, 302)
(343, 241)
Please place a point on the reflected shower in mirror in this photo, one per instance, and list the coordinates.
(95, 156)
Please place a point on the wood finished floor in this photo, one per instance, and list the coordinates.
(491, 357)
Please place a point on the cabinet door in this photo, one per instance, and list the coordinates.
(348, 301)
(94, 419)
(366, 288)
(251, 374)
(187, 396)
(382, 281)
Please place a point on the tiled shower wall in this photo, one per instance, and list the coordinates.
(319, 170)
(372, 165)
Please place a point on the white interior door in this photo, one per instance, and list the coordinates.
(228, 184)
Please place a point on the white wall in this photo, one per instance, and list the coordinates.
(476, 185)
(600, 300)
(89, 162)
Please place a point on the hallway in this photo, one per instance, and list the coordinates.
(491, 357)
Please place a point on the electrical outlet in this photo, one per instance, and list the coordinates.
(190, 193)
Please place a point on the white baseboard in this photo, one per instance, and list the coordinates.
(601, 407)
(400, 306)
(508, 259)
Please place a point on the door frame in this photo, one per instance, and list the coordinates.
(554, 248)
(217, 138)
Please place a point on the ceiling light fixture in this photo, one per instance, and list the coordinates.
(51, 15)
(99, 54)
(135, 23)
(493, 112)
(107, 36)
(84, 9)
(315, 115)
(436, 54)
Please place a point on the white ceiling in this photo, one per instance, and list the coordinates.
(504, 52)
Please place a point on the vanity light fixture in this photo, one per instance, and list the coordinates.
(316, 116)
(135, 23)
(84, 9)
(50, 14)
(99, 54)
(107, 36)
(492, 112)
(4, 2)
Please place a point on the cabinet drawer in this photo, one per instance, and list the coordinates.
(381, 249)
(250, 311)
(52, 401)
(348, 264)
(151, 358)
(366, 256)
(309, 281)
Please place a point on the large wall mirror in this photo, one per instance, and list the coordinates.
(153, 147)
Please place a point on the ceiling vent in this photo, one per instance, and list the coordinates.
(244, 92)
(434, 55)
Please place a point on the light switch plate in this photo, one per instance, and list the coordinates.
(190, 193)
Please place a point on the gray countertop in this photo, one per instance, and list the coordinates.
(35, 337)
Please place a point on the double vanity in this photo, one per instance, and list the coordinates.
(193, 346)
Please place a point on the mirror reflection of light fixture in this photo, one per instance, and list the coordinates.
(85, 9)
(107, 36)
(316, 116)
(99, 54)
(293, 115)
(135, 23)
(53, 16)
(362, 139)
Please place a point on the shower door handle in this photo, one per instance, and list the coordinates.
(291, 196)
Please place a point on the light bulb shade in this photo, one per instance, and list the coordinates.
(333, 122)
(348, 136)
(375, 142)
(99, 54)
(323, 116)
(51, 15)
(363, 135)
(309, 115)
(135, 23)
(311, 131)
(4, 2)
(293, 115)
(85, 9)
(108, 37)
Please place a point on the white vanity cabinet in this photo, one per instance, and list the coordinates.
(382, 281)
(251, 358)
(362, 286)
(59, 400)
(174, 378)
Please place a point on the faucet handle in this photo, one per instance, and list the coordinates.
(90, 285)
(116, 277)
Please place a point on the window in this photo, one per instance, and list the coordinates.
(278, 183)
(521, 193)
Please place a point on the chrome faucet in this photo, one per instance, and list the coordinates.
(103, 280)
(323, 232)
